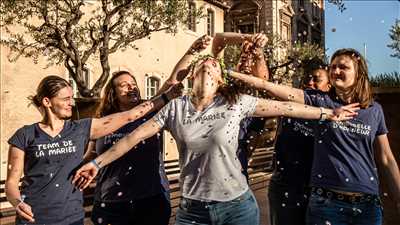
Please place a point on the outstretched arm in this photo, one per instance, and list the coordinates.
(278, 91)
(87, 172)
(105, 125)
(388, 166)
(271, 108)
(181, 69)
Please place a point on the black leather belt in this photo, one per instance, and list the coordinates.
(344, 197)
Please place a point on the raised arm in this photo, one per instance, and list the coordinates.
(105, 125)
(388, 167)
(271, 108)
(14, 172)
(220, 41)
(181, 69)
(88, 172)
(278, 91)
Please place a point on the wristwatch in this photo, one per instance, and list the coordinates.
(323, 115)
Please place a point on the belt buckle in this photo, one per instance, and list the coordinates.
(340, 196)
(353, 198)
(329, 194)
(320, 191)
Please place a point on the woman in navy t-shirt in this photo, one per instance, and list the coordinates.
(344, 176)
(47, 152)
(134, 186)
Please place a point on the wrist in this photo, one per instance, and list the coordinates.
(15, 202)
(323, 114)
(95, 164)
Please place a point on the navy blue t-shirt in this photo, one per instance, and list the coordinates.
(343, 151)
(48, 166)
(136, 175)
(293, 153)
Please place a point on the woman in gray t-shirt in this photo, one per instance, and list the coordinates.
(205, 125)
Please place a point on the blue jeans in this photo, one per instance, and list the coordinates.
(240, 211)
(324, 211)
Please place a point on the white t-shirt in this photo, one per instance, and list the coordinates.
(207, 144)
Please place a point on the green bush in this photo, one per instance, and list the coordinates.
(386, 80)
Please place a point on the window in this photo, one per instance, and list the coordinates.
(192, 16)
(86, 76)
(210, 22)
(152, 86)
(286, 32)
(315, 10)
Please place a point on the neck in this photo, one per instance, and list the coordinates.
(344, 95)
(201, 100)
(52, 122)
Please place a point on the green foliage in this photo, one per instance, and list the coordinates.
(72, 31)
(386, 80)
(339, 4)
(394, 34)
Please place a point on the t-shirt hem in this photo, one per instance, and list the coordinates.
(216, 199)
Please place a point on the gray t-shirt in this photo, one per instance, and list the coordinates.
(207, 144)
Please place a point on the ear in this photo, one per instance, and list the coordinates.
(46, 102)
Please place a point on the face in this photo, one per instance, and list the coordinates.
(318, 80)
(126, 90)
(342, 72)
(209, 70)
(61, 104)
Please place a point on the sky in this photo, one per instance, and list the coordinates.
(364, 21)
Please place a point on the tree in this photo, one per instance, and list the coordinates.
(394, 34)
(339, 4)
(70, 32)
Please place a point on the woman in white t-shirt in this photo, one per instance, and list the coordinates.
(205, 126)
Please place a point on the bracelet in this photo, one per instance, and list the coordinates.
(95, 164)
(164, 98)
(229, 71)
(323, 115)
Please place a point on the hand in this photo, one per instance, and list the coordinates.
(84, 175)
(200, 44)
(259, 40)
(174, 91)
(345, 112)
(25, 211)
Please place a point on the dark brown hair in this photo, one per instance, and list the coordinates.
(361, 91)
(109, 103)
(48, 87)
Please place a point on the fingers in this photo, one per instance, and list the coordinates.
(77, 175)
(259, 40)
(25, 211)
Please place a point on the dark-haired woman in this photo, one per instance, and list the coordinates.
(133, 189)
(205, 125)
(48, 151)
(344, 176)
(288, 189)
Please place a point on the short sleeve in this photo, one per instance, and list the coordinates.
(247, 104)
(85, 125)
(381, 124)
(162, 116)
(19, 139)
